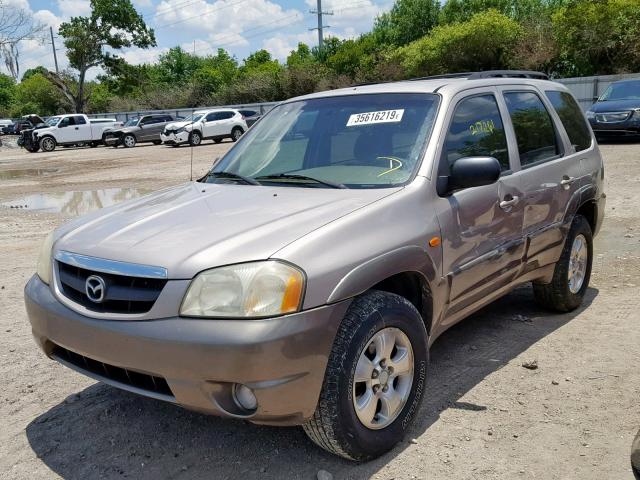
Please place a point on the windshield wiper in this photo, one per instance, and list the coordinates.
(293, 176)
(235, 176)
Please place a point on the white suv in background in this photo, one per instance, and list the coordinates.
(215, 124)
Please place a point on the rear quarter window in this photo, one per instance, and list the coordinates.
(572, 118)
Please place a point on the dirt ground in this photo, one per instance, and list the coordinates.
(485, 416)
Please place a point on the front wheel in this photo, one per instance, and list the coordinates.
(129, 141)
(572, 272)
(195, 139)
(375, 378)
(48, 144)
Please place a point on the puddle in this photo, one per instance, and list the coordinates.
(26, 172)
(75, 203)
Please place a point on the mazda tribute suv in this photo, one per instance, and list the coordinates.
(304, 278)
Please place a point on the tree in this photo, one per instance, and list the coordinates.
(16, 24)
(407, 21)
(7, 92)
(599, 37)
(90, 41)
(483, 43)
(36, 94)
(455, 11)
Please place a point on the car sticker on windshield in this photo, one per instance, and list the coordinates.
(382, 116)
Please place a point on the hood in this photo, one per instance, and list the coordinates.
(176, 125)
(615, 106)
(196, 226)
(34, 119)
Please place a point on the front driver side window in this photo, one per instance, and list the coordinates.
(476, 130)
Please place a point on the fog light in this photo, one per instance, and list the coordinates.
(244, 397)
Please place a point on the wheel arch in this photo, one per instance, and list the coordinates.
(407, 271)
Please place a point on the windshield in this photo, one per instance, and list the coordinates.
(358, 141)
(621, 91)
(192, 118)
(53, 121)
(132, 122)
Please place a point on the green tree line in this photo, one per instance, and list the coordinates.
(415, 38)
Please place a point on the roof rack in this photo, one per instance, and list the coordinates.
(509, 74)
(488, 74)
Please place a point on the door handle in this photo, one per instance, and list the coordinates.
(507, 204)
(566, 180)
(76, 128)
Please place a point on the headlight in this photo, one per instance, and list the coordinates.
(44, 259)
(246, 290)
(591, 114)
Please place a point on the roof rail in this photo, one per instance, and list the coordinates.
(509, 74)
(445, 75)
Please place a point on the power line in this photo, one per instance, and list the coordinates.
(209, 12)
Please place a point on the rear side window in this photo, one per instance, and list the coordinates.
(79, 120)
(535, 133)
(226, 115)
(477, 131)
(572, 118)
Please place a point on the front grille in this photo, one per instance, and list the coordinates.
(142, 381)
(123, 294)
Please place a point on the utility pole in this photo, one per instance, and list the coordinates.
(53, 45)
(318, 11)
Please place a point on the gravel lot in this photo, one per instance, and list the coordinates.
(485, 416)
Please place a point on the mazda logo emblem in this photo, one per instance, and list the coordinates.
(95, 288)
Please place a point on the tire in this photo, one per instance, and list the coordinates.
(195, 138)
(48, 144)
(561, 295)
(33, 149)
(157, 142)
(129, 141)
(94, 144)
(236, 133)
(336, 426)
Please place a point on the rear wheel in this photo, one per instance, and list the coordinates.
(47, 144)
(195, 139)
(572, 272)
(236, 133)
(129, 141)
(374, 381)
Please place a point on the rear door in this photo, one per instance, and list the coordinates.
(550, 171)
(481, 226)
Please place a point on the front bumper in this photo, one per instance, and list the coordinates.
(175, 138)
(281, 359)
(111, 140)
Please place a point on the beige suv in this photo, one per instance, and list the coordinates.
(303, 280)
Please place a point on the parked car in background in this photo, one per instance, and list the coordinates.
(215, 124)
(273, 291)
(250, 116)
(616, 112)
(635, 456)
(4, 123)
(74, 129)
(146, 128)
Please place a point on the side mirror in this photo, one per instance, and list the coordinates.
(469, 172)
(595, 99)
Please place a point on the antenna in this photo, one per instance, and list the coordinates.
(191, 143)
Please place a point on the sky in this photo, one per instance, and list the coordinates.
(239, 26)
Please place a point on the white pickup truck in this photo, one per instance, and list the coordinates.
(73, 129)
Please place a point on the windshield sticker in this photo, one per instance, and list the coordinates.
(382, 116)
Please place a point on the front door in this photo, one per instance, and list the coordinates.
(481, 226)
